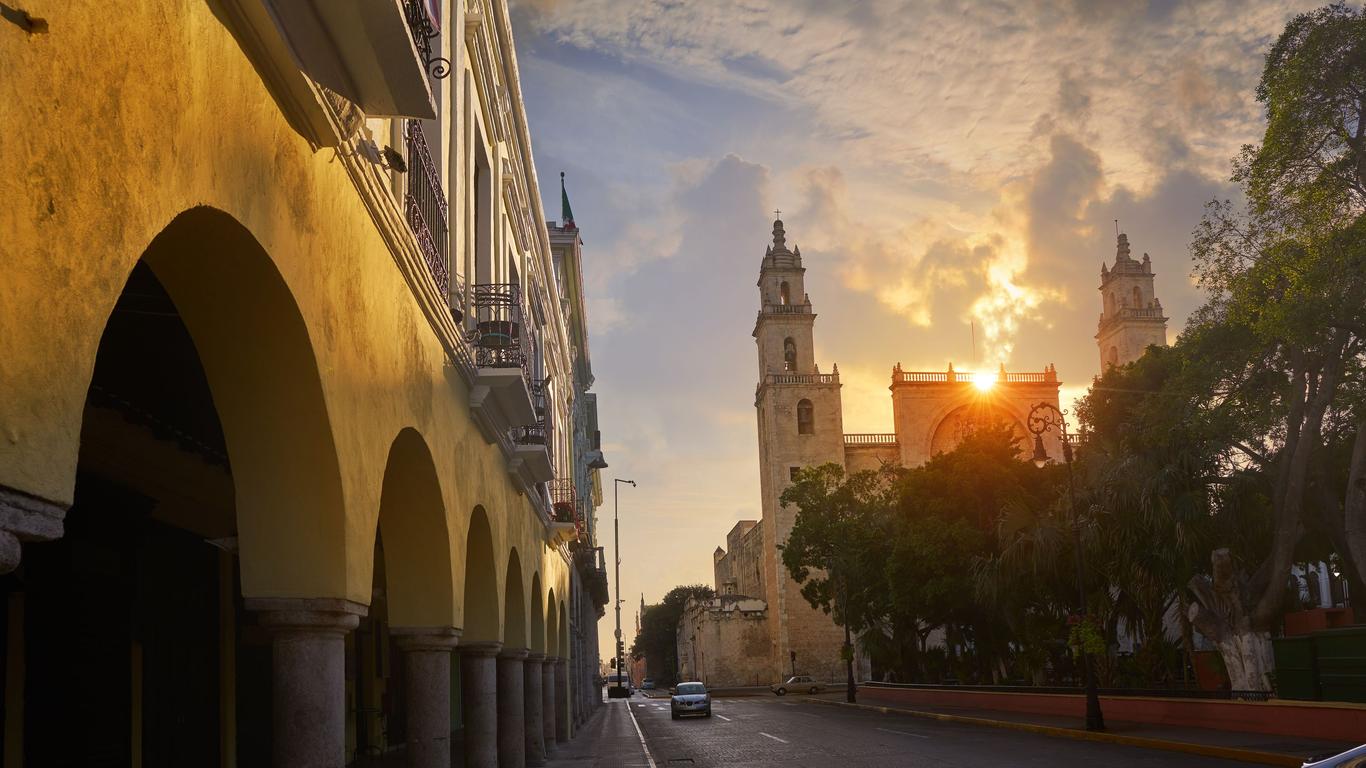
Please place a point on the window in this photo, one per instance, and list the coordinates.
(789, 354)
(1112, 357)
(784, 293)
(1138, 297)
(792, 473)
(805, 418)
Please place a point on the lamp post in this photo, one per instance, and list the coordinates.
(616, 534)
(1042, 418)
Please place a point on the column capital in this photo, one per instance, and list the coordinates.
(514, 654)
(535, 658)
(307, 614)
(479, 648)
(425, 638)
(24, 517)
(552, 659)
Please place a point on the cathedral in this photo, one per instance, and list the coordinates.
(759, 629)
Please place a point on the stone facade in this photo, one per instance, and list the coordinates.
(724, 641)
(1131, 319)
(800, 424)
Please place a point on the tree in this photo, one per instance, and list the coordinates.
(833, 548)
(657, 641)
(1286, 286)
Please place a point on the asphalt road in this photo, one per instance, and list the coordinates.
(790, 732)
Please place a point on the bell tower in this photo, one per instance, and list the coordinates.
(800, 425)
(1131, 318)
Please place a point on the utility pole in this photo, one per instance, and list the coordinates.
(616, 533)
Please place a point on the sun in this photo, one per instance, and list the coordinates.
(983, 381)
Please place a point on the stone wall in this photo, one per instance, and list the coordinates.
(740, 570)
(873, 457)
(724, 642)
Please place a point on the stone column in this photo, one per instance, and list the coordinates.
(26, 518)
(548, 703)
(534, 698)
(308, 677)
(561, 701)
(427, 684)
(511, 709)
(479, 696)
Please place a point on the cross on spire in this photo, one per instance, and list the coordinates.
(777, 214)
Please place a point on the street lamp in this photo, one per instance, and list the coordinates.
(1042, 418)
(616, 533)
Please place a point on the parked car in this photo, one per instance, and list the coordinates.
(798, 683)
(690, 699)
(1352, 758)
(647, 684)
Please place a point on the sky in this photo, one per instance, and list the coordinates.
(948, 169)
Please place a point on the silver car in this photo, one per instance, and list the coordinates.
(690, 699)
(803, 683)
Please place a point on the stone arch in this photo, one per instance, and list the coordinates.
(538, 644)
(481, 603)
(784, 293)
(262, 372)
(562, 632)
(1112, 356)
(951, 428)
(412, 524)
(514, 605)
(552, 625)
(1138, 298)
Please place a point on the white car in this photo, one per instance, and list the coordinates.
(690, 699)
(798, 684)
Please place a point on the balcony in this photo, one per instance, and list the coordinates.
(501, 396)
(362, 50)
(787, 309)
(426, 207)
(534, 443)
(565, 501)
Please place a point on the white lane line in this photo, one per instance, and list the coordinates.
(723, 717)
(903, 733)
(771, 736)
(648, 758)
(640, 706)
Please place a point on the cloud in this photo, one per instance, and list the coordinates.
(949, 170)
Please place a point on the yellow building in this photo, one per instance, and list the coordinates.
(287, 391)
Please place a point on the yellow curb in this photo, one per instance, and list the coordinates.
(1207, 750)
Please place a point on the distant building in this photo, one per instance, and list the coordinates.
(1132, 319)
(801, 425)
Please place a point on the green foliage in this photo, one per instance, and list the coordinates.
(656, 642)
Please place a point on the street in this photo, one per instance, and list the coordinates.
(759, 731)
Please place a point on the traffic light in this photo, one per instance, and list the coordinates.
(614, 663)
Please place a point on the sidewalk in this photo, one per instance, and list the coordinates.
(1234, 745)
(608, 740)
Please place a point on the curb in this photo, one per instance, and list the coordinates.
(1206, 750)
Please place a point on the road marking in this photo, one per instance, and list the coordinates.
(904, 733)
(771, 736)
(640, 706)
(723, 717)
(648, 758)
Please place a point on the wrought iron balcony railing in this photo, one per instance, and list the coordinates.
(425, 26)
(496, 329)
(543, 431)
(564, 500)
(426, 206)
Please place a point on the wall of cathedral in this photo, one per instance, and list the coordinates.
(932, 417)
(870, 457)
(739, 569)
(724, 642)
